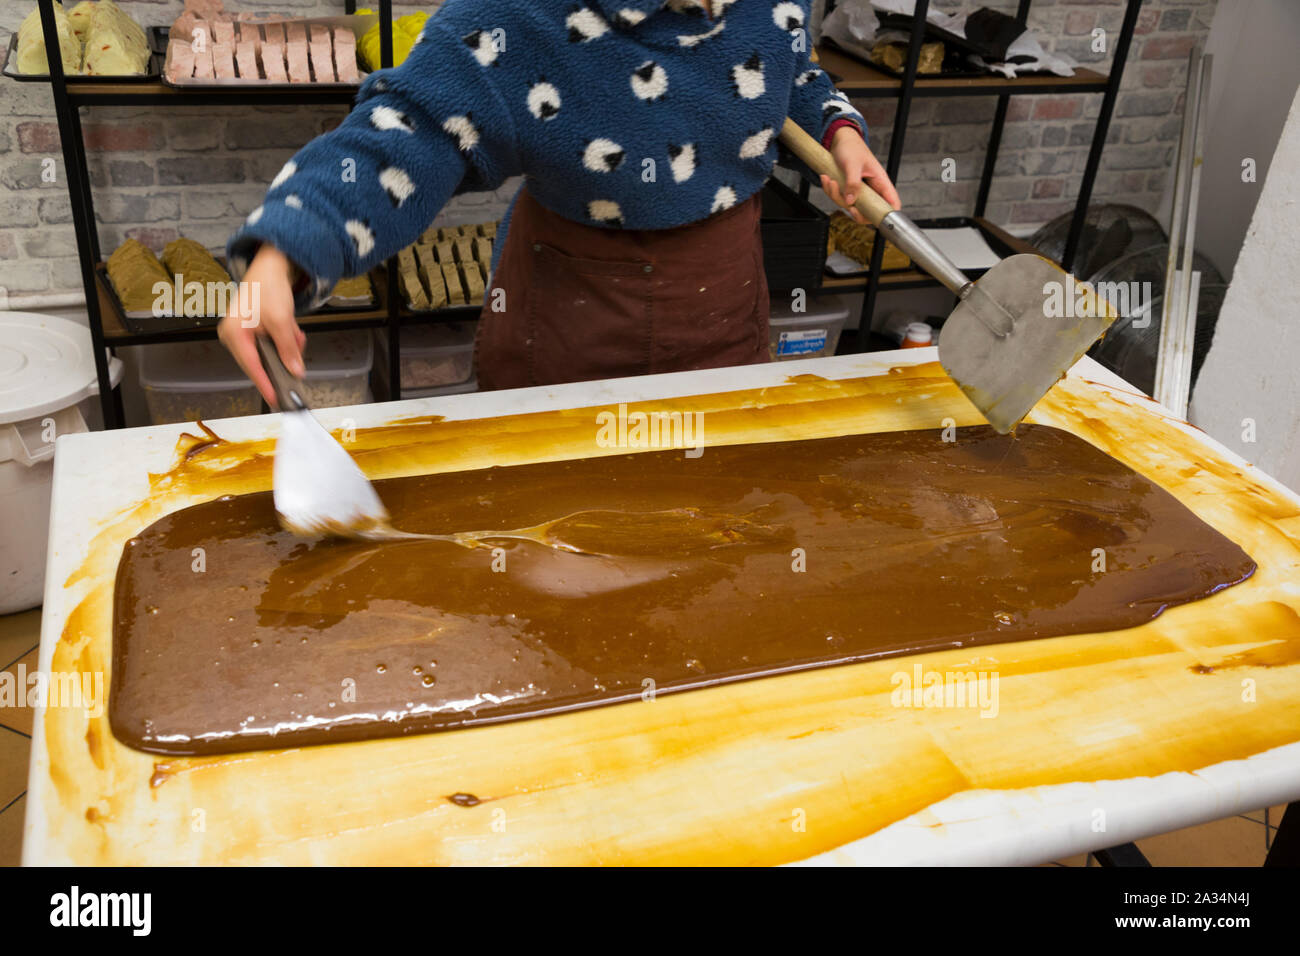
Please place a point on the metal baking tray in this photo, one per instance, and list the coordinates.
(359, 23)
(948, 69)
(842, 266)
(955, 50)
(948, 222)
(410, 308)
(153, 70)
(143, 323)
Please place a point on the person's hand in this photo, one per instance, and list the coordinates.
(265, 308)
(857, 163)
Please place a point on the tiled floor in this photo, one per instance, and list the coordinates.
(1236, 841)
(20, 635)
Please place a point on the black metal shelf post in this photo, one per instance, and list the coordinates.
(83, 214)
(893, 162)
(394, 322)
(1100, 133)
(995, 135)
(906, 91)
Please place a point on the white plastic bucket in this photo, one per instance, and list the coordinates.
(46, 368)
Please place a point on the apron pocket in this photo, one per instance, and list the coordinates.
(713, 315)
(588, 318)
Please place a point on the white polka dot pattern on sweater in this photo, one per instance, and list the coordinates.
(397, 184)
(585, 25)
(649, 81)
(463, 128)
(747, 78)
(634, 114)
(361, 235)
(544, 100)
(695, 39)
(483, 44)
(286, 171)
(756, 145)
(628, 17)
(386, 118)
(682, 162)
(603, 155)
(788, 16)
(605, 211)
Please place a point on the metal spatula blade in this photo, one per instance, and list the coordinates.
(1016, 332)
(317, 487)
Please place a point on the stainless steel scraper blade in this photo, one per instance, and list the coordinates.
(1016, 333)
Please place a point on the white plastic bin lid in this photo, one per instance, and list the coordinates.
(818, 308)
(207, 366)
(435, 338)
(190, 367)
(435, 391)
(338, 354)
(46, 364)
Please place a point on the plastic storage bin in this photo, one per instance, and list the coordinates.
(794, 238)
(433, 356)
(460, 389)
(809, 334)
(338, 368)
(185, 381)
(47, 367)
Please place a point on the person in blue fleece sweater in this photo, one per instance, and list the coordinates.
(644, 130)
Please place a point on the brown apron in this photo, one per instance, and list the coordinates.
(573, 303)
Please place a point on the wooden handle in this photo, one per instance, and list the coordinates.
(819, 160)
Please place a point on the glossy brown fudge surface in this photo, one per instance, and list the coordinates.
(660, 573)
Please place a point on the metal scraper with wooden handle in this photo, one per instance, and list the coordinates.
(1003, 344)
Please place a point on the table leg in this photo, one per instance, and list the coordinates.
(1285, 850)
(1125, 855)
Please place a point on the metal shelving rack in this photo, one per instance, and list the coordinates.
(856, 79)
(859, 80)
(106, 328)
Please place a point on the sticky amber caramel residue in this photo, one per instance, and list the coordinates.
(715, 776)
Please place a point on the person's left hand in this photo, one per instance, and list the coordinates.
(857, 163)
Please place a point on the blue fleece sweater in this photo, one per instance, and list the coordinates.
(632, 114)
